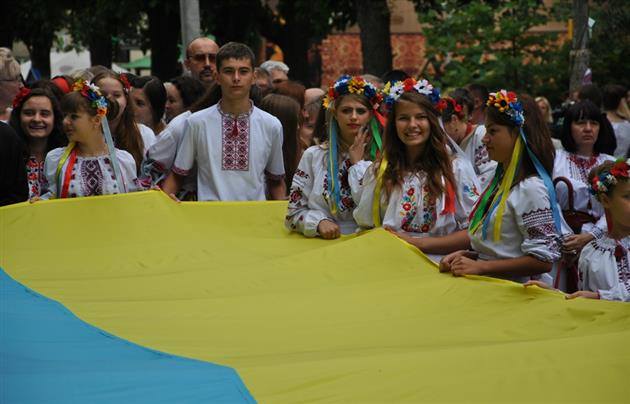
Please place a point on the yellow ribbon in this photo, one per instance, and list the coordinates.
(506, 184)
(376, 203)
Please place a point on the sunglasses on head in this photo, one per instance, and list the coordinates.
(201, 57)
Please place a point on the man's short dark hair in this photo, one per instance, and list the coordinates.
(234, 50)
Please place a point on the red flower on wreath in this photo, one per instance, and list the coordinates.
(408, 84)
(620, 169)
(19, 97)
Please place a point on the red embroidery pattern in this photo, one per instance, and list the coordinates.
(35, 176)
(409, 210)
(92, 177)
(235, 142)
(539, 224)
(580, 167)
(347, 203)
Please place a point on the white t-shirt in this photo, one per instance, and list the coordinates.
(601, 271)
(90, 175)
(233, 153)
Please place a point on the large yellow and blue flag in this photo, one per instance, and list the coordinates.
(134, 298)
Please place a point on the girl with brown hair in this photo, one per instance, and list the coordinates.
(320, 198)
(417, 188)
(128, 135)
(515, 228)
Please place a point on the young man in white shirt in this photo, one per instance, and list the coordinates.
(236, 146)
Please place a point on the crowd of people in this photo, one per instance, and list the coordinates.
(488, 183)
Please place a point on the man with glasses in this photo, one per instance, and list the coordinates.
(201, 56)
(10, 82)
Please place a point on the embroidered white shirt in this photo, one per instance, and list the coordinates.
(148, 137)
(600, 271)
(527, 227)
(309, 198)
(90, 175)
(233, 153)
(412, 209)
(576, 169)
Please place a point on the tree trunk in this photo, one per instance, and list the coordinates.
(374, 20)
(40, 56)
(579, 51)
(101, 49)
(164, 32)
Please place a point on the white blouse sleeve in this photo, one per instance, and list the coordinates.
(186, 151)
(534, 219)
(128, 170)
(355, 178)
(467, 191)
(365, 199)
(49, 190)
(301, 217)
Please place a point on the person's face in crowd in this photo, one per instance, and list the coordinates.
(543, 108)
(201, 59)
(174, 103)
(236, 77)
(351, 116)
(618, 204)
(9, 88)
(307, 128)
(37, 118)
(80, 125)
(499, 141)
(585, 133)
(113, 90)
(263, 81)
(455, 128)
(143, 113)
(278, 76)
(412, 125)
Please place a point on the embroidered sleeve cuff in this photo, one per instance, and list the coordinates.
(595, 231)
(180, 171)
(274, 177)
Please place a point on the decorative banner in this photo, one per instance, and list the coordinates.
(225, 283)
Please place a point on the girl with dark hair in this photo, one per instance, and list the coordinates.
(149, 99)
(181, 93)
(88, 166)
(603, 265)
(320, 199)
(287, 110)
(416, 188)
(586, 144)
(128, 135)
(36, 118)
(515, 228)
(456, 116)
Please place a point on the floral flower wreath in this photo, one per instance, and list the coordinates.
(458, 110)
(93, 94)
(507, 103)
(21, 96)
(604, 182)
(393, 91)
(352, 85)
(125, 82)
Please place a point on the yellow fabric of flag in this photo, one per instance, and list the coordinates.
(361, 319)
